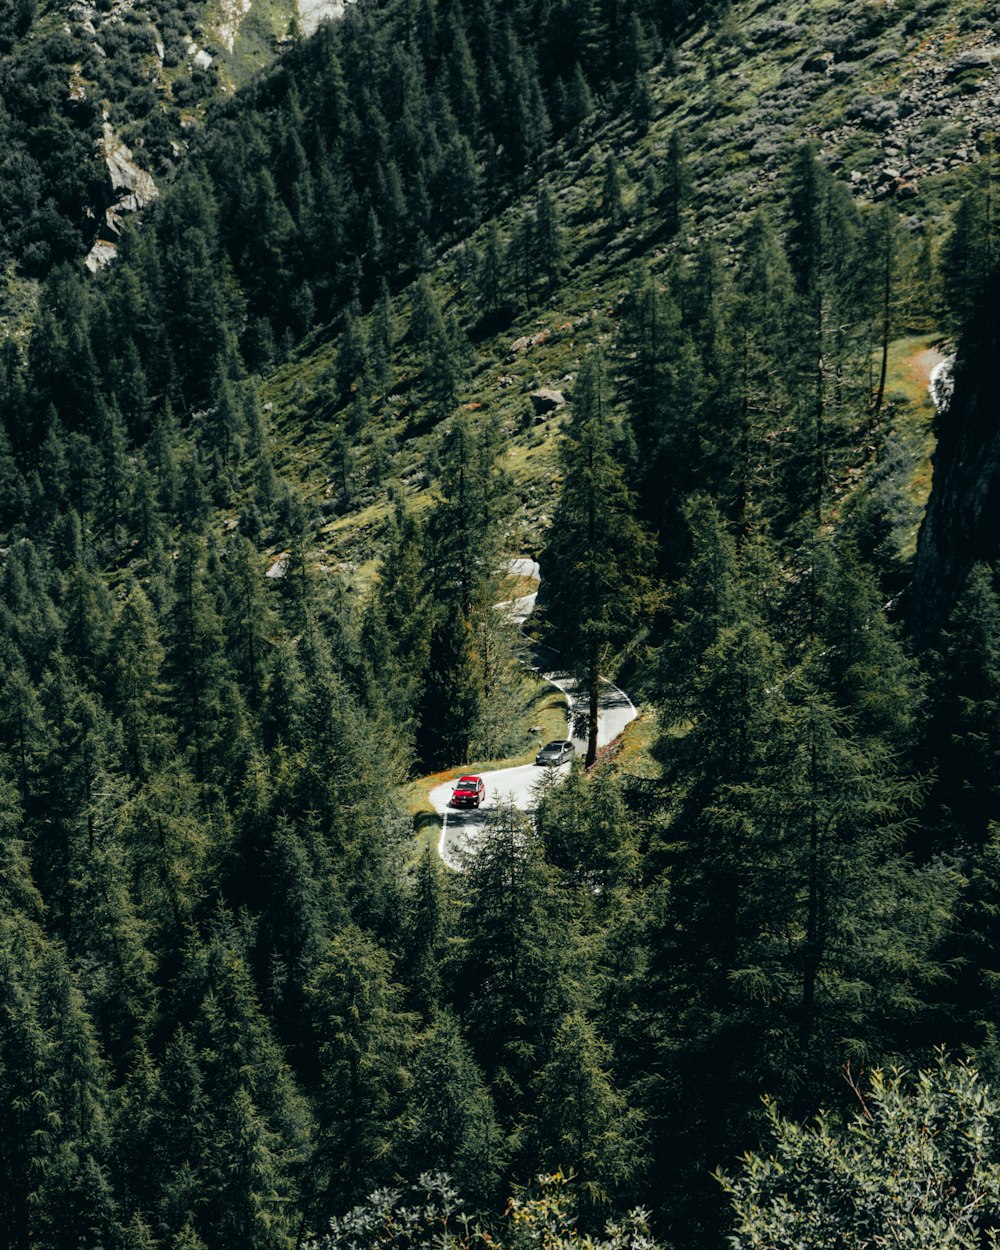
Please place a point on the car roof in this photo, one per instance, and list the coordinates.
(470, 777)
(557, 742)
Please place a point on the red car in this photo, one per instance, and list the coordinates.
(468, 792)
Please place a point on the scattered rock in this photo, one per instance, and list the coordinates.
(200, 57)
(279, 568)
(528, 340)
(126, 176)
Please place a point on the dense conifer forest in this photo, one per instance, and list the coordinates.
(243, 1003)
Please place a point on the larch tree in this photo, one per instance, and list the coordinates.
(598, 558)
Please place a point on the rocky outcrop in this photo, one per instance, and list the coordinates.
(233, 13)
(312, 12)
(936, 92)
(962, 522)
(132, 188)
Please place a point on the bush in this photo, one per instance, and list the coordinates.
(429, 1216)
(916, 1165)
(873, 113)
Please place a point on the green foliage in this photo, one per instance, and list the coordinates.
(916, 1164)
(228, 1009)
(433, 1219)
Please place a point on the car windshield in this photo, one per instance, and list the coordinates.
(467, 783)
(553, 746)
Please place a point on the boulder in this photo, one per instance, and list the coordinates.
(974, 58)
(101, 254)
(545, 401)
(312, 12)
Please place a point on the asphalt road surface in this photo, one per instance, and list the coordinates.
(521, 785)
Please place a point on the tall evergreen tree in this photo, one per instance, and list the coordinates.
(598, 558)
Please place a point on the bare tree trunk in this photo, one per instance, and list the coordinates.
(593, 692)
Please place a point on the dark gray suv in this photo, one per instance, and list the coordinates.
(555, 752)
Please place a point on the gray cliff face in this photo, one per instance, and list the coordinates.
(132, 188)
(962, 523)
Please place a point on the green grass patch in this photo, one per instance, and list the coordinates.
(634, 757)
(911, 361)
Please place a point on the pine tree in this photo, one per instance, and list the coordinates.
(248, 620)
(548, 252)
(426, 929)
(676, 184)
(598, 557)
(196, 650)
(352, 358)
(781, 816)
(136, 680)
(364, 1039)
(468, 528)
(71, 1193)
(168, 840)
(883, 244)
(445, 364)
(517, 960)
(449, 1124)
(254, 1125)
(489, 274)
(962, 732)
(965, 259)
(22, 723)
(407, 609)
(380, 337)
(452, 695)
(581, 1124)
(821, 247)
(579, 101)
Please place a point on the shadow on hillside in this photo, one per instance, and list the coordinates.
(425, 822)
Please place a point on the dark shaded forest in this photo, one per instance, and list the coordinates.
(234, 1000)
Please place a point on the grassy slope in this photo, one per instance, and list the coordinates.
(743, 97)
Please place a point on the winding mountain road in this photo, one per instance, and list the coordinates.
(523, 784)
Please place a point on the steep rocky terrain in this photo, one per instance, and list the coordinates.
(962, 523)
(128, 84)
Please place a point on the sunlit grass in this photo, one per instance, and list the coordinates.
(545, 714)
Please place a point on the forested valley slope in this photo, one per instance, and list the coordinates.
(302, 341)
